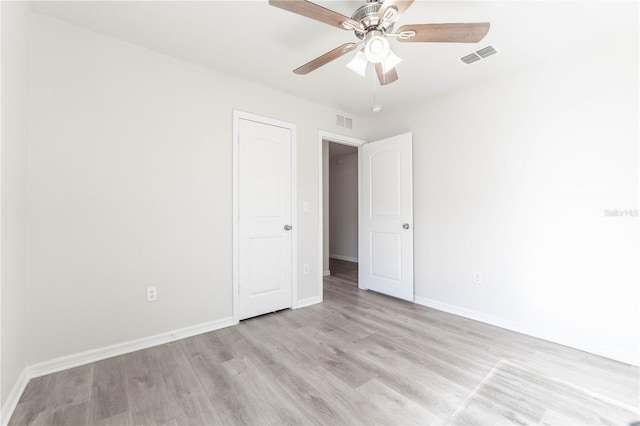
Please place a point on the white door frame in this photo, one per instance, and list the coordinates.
(241, 115)
(343, 140)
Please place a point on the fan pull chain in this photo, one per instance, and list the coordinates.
(375, 107)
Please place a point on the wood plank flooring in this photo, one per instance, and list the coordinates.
(344, 271)
(357, 358)
(338, 267)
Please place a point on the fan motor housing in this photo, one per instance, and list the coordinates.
(367, 15)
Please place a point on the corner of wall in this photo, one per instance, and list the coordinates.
(15, 22)
(13, 398)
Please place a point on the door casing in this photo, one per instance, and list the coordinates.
(344, 140)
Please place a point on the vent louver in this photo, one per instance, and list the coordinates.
(487, 51)
(479, 54)
(469, 59)
(343, 121)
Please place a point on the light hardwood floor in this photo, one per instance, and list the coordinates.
(357, 358)
(344, 271)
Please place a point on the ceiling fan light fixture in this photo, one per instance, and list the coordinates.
(376, 48)
(390, 62)
(372, 23)
(359, 63)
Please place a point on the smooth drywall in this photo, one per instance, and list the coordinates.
(343, 207)
(514, 179)
(14, 137)
(130, 186)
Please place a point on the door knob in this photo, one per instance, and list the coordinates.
(287, 227)
(405, 226)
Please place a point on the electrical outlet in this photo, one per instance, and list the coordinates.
(477, 278)
(305, 268)
(152, 294)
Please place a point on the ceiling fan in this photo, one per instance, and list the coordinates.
(373, 24)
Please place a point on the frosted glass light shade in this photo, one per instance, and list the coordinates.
(390, 62)
(358, 64)
(376, 49)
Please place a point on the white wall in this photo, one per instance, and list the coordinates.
(130, 186)
(512, 178)
(13, 195)
(343, 207)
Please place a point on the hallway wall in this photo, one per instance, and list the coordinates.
(343, 207)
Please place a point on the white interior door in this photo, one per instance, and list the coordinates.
(265, 218)
(386, 220)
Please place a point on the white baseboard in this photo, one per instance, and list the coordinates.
(82, 358)
(326, 273)
(308, 302)
(341, 257)
(549, 335)
(14, 396)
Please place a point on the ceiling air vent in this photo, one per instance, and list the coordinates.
(344, 121)
(479, 54)
(471, 58)
(487, 51)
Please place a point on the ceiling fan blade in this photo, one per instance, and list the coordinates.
(445, 33)
(399, 5)
(319, 13)
(326, 58)
(387, 78)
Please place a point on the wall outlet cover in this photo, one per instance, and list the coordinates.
(152, 294)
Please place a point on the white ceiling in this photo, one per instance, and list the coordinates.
(261, 43)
